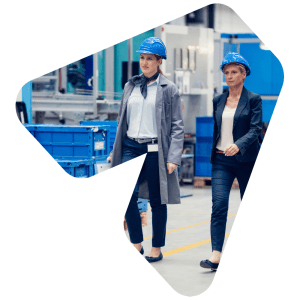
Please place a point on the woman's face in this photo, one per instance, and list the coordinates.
(233, 76)
(149, 64)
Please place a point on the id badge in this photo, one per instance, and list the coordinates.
(152, 147)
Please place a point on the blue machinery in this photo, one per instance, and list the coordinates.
(92, 85)
(266, 71)
(73, 88)
(27, 99)
(105, 73)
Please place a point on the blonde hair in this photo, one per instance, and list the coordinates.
(240, 66)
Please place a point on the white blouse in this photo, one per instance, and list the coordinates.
(141, 119)
(226, 137)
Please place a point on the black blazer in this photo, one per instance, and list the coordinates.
(247, 124)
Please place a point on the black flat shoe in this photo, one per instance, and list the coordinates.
(154, 259)
(142, 251)
(207, 264)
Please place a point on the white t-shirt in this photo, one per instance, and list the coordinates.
(226, 137)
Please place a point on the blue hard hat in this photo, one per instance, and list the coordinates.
(235, 58)
(153, 45)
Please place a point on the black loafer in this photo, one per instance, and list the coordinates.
(207, 264)
(142, 251)
(154, 259)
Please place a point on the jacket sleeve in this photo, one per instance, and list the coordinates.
(119, 116)
(255, 126)
(121, 107)
(177, 130)
(215, 132)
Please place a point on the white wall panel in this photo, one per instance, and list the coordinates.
(227, 21)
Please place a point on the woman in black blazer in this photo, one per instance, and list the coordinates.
(237, 126)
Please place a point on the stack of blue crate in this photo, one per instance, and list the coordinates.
(76, 148)
(80, 168)
(113, 129)
(142, 203)
(204, 138)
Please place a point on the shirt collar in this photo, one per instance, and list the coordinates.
(156, 81)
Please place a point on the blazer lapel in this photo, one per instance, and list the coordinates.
(220, 108)
(241, 105)
(162, 82)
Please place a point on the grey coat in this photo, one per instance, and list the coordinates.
(169, 122)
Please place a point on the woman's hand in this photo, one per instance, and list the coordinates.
(171, 167)
(109, 159)
(231, 150)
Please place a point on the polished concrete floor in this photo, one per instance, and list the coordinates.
(188, 240)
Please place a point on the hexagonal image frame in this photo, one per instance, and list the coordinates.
(73, 113)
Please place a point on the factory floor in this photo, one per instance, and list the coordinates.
(188, 240)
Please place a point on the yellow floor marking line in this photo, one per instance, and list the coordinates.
(188, 247)
(149, 237)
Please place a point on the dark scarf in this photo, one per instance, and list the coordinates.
(142, 79)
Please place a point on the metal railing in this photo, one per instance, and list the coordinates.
(104, 94)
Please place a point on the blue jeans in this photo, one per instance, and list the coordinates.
(132, 149)
(224, 170)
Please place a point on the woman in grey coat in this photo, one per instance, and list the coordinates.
(150, 121)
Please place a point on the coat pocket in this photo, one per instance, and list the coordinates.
(166, 111)
(168, 138)
(165, 140)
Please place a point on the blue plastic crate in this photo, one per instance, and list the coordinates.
(68, 142)
(203, 146)
(102, 166)
(113, 129)
(30, 129)
(202, 167)
(142, 205)
(204, 126)
(82, 168)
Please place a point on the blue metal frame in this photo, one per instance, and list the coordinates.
(27, 99)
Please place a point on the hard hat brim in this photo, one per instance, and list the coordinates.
(149, 52)
(248, 71)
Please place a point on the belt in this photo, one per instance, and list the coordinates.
(142, 141)
(219, 151)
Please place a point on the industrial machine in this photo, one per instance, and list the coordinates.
(266, 71)
(190, 66)
(91, 88)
